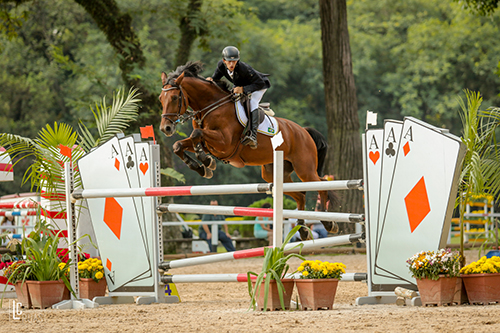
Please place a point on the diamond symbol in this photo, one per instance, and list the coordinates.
(117, 164)
(113, 213)
(108, 264)
(406, 148)
(417, 204)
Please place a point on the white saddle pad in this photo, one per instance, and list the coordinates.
(268, 127)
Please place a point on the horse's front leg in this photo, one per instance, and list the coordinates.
(180, 148)
(207, 160)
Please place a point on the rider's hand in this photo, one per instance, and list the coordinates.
(238, 90)
(209, 79)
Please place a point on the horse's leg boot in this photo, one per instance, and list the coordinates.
(251, 137)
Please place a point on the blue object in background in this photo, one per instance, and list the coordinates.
(493, 253)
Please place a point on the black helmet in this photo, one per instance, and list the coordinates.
(230, 53)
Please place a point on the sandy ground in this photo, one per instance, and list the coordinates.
(223, 307)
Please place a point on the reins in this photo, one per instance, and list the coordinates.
(192, 114)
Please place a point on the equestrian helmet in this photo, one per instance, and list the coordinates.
(231, 53)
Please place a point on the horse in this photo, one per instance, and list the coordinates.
(217, 134)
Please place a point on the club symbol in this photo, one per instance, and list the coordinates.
(390, 150)
(130, 163)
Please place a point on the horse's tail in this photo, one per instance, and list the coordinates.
(322, 147)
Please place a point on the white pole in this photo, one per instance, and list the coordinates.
(278, 198)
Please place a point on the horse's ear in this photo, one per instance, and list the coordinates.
(178, 81)
(163, 78)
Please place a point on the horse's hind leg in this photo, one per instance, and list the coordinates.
(299, 197)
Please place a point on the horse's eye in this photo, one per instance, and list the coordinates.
(174, 98)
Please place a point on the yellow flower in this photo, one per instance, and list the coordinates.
(300, 269)
(99, 275)
(305, 273)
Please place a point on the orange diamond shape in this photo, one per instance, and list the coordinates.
(406, 148)
(117, 164)
(417, 204)
(113, 213)
(108, 264)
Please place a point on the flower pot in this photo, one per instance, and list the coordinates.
(482, 288)
(23, 295)
(273, 299)
(316, 294)
(90, 289)
(437, 292)
(44, 294)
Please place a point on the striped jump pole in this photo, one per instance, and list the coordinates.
(21, 213)
(204, 278)
(258, 252)
(18, 205)
(215, 189)
(43, 212)
(263, 212)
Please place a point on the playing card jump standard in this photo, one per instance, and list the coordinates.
(420, 199)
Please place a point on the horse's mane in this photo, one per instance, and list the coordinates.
(193, 69)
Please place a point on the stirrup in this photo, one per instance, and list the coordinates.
(250, 140)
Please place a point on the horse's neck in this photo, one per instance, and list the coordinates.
(202, 95)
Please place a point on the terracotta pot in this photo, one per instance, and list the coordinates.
(44, 294)
(273, 299)
(316, 294)
(482, 288)
(23, 295)
(90, 289)
(437, 292)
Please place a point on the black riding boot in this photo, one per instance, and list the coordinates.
(251, 136)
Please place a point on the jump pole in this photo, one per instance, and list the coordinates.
(333, 185)
(262, 212)
(19, 204)
(258, 252)
(204, 278)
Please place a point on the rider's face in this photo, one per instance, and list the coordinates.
(230, 64)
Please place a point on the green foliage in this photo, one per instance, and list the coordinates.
(481, 7)
(275, 267)
(481, 167)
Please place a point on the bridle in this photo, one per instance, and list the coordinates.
(181, 118)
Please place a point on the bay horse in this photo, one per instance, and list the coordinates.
(217, 133)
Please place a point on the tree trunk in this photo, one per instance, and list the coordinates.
(344, 159)
(188, 32)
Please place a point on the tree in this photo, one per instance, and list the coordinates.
(344, 158)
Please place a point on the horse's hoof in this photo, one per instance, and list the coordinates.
(305, 234)
(208, 173)
(213, 164)
(334, 228)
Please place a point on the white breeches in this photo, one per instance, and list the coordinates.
(255, 99)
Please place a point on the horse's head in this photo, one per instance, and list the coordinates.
(173, 101)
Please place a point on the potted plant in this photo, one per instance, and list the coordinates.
(318, 282)
(17, 273)
(482, 280)
(436, 274)
(49, 278)
(92, 282)
(269, 289)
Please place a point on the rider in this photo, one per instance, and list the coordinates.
(247, 81)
